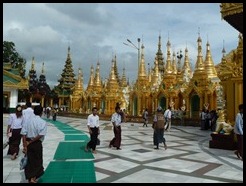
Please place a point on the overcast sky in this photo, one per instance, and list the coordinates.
(96, 32)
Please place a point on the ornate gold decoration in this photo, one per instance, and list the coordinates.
(227, 9)
(206, 105)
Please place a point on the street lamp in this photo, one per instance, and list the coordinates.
(134, 46)
(179, 56)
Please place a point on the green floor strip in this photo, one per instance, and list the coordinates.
(71, 131)
(77, 137)
(72, 150)
(69, 172)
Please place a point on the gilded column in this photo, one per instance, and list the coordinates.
(238, 95)
(51, 102)
(42, 101)
(59, 102)
(139, 106)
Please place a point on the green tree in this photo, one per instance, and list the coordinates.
(10, 55)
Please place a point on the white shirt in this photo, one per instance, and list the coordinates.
(168, 114)
(93, 121)
(14, 122)
(116, 118)
(37, 126)
(238, 127)
(146, 114)
(27, 114)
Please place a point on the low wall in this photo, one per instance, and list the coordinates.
(136, 119)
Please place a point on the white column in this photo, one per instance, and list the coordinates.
(13, 98)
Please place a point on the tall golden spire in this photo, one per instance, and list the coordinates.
(123, 79)
(112, 84)
(199, 77)
(98, 81)
(155, 75)
(186, 66)
(91, 80)
(142, 69)
(174, 64)
(209, 64)
(112, 75)
(90, 85)
(79, 82)
(199, 63)
(168, 69)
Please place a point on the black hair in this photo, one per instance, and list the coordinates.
(38, 110)
(116, 108)
(28, 104)
(18, 111)
(240, 106)
(18, 107)
(94, 108)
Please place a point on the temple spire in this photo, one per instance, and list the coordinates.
(98, 81)
(168, 69)
(91, 80)
(199, 63)
(187, 67)
(155, 75)
(142, 68)
(79, 82)
(159, 58)
(123, 79)
(209, 64)
(174, 63)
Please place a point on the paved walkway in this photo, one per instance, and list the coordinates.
(188, 159)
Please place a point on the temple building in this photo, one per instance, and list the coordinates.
(230, 69)
(174, 84)
(12, 83)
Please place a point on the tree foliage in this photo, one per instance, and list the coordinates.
(10, 55)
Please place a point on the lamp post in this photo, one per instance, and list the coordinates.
(179, 56)
(131, 44)
(134, 46)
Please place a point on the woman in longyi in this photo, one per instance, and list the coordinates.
(14, 128)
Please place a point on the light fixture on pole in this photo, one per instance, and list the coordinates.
(134, 46)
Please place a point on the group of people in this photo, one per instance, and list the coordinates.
(167, 118)
(118, 118)
(51, 112)
(208, 119)
(27, 124)
(93, 126)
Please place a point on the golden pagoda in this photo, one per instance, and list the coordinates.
(170, 83)
(77, 98)
(139, 94)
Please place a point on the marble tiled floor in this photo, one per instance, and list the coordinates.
(188, 158)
